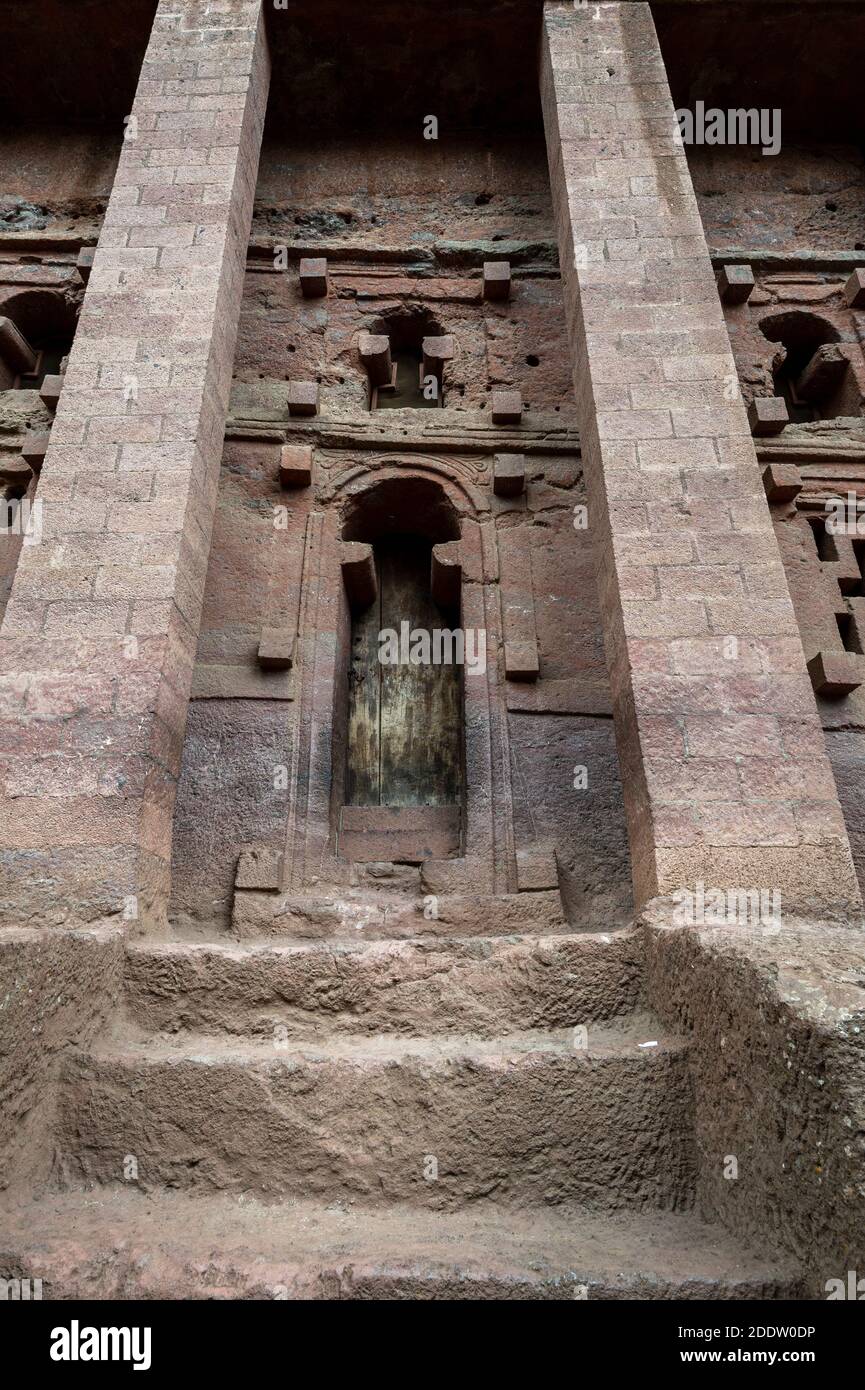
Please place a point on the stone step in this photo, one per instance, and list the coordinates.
(440, 1122)
(388, 916)
(483, 985)
(119, 1243)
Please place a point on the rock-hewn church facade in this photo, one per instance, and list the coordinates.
(432, 668)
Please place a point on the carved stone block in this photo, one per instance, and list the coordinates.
(447, 572)
(509, 474)
(537, 869)
(507, 407)
(374, 351)
(84, 263)
(497, 280)
(854, 290)
(295, 465)
(358, 574)
(35, 447)
(313, 276)
(303, 398)
(259, 867)
(782, 482)
(521, 661)
(49, 391)
(15, 350)
(835, 674)
(768, 414)
(735, 283)
(276, 648)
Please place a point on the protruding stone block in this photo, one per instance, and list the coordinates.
(84, 263)
(437, 352)
(854, 290)
(313, 276)
(735, 283)
(276, 648)
(358, 575)
(295, 465)
(447, 573)
(303, 398)
(497, 280)
(782, 482)
(14, 470)
(768, 414)
(259, 867)
(521, 661)
(15, 350)
(507, 407)
(824, 372)
(35, 447)
(374, 352)
(509, 474)
(537, 870)
(834, 674)
(49, 391)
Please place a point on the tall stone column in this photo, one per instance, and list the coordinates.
(723, 762)
(99, 636)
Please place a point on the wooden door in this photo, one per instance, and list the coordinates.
(405, 720)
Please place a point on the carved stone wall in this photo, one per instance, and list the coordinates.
(527, 580)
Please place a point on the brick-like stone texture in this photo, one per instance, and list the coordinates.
(99, 635)
(724, 767)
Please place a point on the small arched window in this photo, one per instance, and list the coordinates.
(810, 365)
(46, 322)
(419, 353)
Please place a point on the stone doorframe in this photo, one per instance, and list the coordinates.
(487, 860)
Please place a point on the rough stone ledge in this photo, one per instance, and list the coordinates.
(533, 257)
(483, 985)
(454, 431)
(117, 1243)
(766, 262)
(777, 1027)
(339, 916)
(525, 1116)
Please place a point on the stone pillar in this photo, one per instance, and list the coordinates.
(100, 632)
(723, 762)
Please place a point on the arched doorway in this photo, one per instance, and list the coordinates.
(404, 745)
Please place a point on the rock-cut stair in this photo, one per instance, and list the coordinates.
(492, 1117)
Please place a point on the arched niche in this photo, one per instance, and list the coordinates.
(810, 367)
(404, 720)
(406, 330)
(47, 321)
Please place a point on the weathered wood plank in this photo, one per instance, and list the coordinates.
(405, 730)
(363, 770)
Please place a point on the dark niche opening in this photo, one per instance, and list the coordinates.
(404, 696)
(809, 369)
